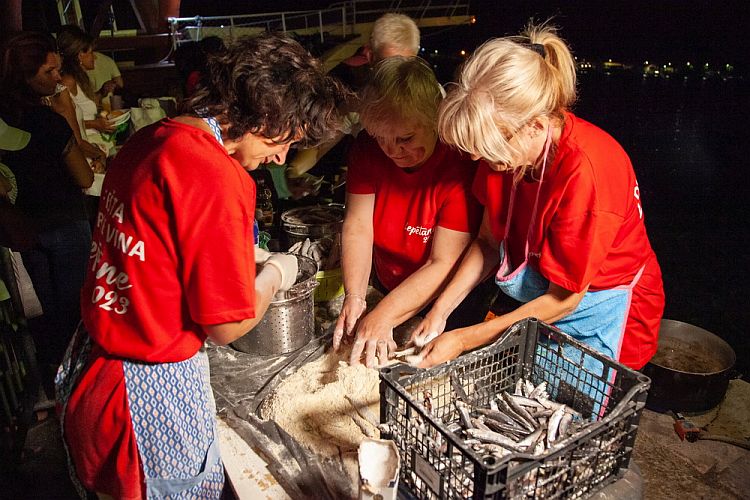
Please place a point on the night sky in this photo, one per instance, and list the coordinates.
(629, 31)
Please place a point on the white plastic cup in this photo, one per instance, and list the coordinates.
(379, 465)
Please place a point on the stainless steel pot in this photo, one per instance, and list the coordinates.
(691, 369)
(289, 322)
(313, 222)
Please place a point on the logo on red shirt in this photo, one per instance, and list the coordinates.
(424, 232)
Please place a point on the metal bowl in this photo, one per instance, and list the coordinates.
(289, 322)
(313, 222)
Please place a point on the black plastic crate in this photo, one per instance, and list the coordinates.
(417, 406)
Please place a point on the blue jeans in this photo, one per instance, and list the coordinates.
(57, 267)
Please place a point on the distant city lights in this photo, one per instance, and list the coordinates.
(611, 66)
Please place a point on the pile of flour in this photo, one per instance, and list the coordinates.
(316, 405)
(328, 406)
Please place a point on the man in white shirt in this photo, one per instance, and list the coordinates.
(105, 77)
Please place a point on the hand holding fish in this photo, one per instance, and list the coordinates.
(431, 326)
(445, 347)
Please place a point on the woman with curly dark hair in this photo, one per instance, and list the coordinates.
(172, 263)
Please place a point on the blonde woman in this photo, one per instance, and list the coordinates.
(563, 221)
(409, 210)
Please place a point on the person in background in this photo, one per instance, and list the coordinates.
(62, 103)
(19, 234)
(50, 171)
(392, 35)
(409, 210)
(191, 59)
(77, 51)
(563, 215)
(105, 78)
(173, 263)
(188, 59)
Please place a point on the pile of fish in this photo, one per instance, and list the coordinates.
(525, 421)
(326, 252)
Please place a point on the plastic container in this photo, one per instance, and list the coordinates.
(330, 285)
(435, 463)
(378, 469)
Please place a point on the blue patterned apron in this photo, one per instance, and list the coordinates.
(172, 412)
(598, 320)
(173, 415)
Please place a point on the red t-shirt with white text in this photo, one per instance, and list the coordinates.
(172, 248)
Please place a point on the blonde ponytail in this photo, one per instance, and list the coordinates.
(506, 84)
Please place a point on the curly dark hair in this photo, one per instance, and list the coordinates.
(271, 86)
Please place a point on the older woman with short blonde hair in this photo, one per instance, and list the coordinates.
(563, 221)
(410, 213)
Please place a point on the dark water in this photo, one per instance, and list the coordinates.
(687, 141)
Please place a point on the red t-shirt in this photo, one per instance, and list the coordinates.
(172, 250)
(173, 246)
(409, 205)
(589, 226)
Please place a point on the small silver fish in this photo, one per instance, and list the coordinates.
(520, 410)
(554, 424)
(464, 413)
(539, 391)
(531, 439)
(526, 402)
(495, 438)
(527, 387)
(565, 421)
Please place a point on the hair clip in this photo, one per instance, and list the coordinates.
(538, 48)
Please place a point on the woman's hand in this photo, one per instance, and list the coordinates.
(354, 306)
(429, 328)
(444, 348)
(101, 124)
(98, 166)
(375, 338)
(108, 87)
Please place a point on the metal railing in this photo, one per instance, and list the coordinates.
(338, 19)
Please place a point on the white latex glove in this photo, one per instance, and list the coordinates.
(261, 256)
(287, 266)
